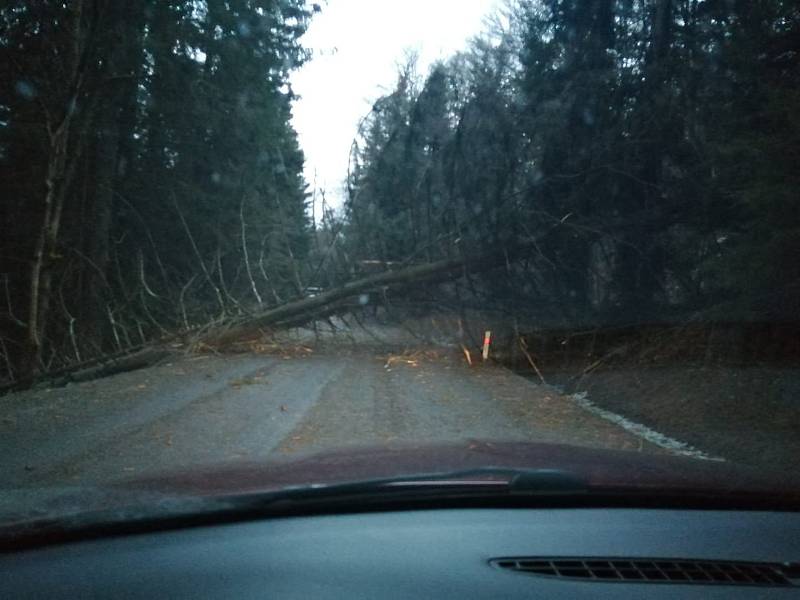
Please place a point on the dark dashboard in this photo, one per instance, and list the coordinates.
(450, 553)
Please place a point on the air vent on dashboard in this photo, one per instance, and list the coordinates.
(655, 570)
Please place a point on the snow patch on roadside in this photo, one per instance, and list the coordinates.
(644, 432)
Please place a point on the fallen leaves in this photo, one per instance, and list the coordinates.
(266, 345)
(203, 348)
(393, 360)
(284, 350)
(254, 380)
(412, 359)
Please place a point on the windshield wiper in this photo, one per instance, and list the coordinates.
(487, 480)
(488, 483)
(169, 512)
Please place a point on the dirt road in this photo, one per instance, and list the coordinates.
(210, 409)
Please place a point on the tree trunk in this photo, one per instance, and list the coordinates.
(641, 259)
(57, 181)
(45, 249)
(310, 308)
(115, 119)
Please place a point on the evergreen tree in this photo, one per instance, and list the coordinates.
(176, 190)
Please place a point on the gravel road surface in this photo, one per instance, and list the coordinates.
(199, 410)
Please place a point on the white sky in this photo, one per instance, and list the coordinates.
(357, 46)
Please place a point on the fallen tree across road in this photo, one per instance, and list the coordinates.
(223, 334)
(132, 359)
(334, 300)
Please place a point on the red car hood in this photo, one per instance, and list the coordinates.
(623, 474)
(601, 469)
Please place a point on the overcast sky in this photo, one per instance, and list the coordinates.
(357, 46)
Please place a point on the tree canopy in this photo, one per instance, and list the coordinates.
(649, 146)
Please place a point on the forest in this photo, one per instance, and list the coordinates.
(648, 148)
(145, 148)
(622, 163)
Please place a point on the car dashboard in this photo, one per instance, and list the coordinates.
(445, 553)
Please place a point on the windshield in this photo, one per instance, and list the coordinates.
(540, 233)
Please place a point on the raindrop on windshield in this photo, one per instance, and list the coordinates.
(25, 89)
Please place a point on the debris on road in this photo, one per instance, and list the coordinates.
(411, 358)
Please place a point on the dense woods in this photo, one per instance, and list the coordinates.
(650, 148)
(644, 153)
(150, 177)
